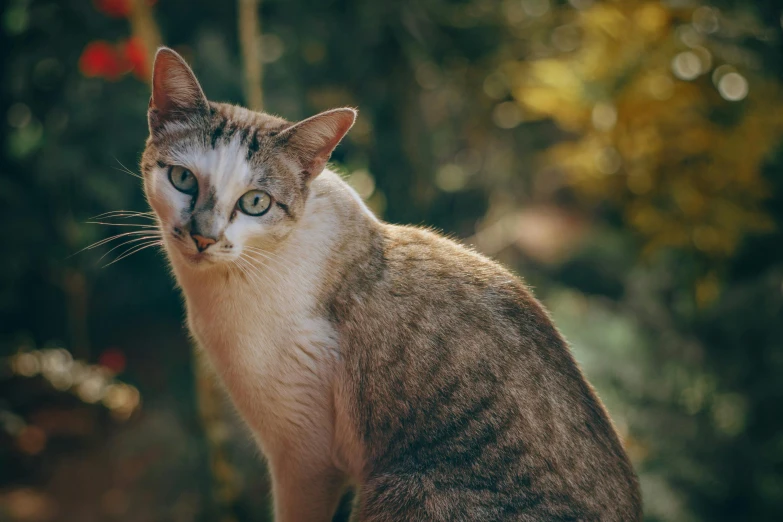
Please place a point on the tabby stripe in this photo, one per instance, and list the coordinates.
(285, 208)
(218, 132)
(253, 146)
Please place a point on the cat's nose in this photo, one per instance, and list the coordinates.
(202, 242)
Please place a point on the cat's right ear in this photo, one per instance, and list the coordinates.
(311, 142)
(176, 93)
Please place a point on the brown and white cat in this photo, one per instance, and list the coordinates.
(363, 352)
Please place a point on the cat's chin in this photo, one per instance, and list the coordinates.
(194, 260)
(198, 259)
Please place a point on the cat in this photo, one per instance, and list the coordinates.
(363, 353)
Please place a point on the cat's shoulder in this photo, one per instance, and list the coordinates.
(433, 251)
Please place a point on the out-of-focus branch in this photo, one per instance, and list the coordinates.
(144, 27)
(250, 42)
(226, 481)
(77, 291)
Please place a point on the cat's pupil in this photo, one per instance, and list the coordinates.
(255, 201)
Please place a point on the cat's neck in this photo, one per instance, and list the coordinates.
(302, 268)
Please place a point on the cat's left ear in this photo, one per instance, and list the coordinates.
(312, 141)
(176, 93)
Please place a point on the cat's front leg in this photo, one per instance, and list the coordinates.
(305, 491)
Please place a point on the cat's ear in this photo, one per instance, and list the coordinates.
(176, 93)
(312, 141)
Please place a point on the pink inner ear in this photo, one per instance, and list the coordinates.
(342, 125)
(316, 137)
(174, 86)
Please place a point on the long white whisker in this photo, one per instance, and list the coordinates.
(266, 253)
(123, 211)
(255, 269)
(269, 256)
(234, 262)
(258, 263)
(112, 238)
(126, 170)
(270, 264)
(248, 275)
(141, 225)
(236, 265)
(134, 250)
(124, 243)
(124, 214)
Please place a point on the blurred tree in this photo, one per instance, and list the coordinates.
(673, 116)
(671, 112)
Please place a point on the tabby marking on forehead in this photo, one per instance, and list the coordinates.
(224, 167)
(252, 129)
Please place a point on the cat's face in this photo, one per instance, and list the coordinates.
(227, 182)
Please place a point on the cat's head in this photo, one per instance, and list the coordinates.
(224, 180)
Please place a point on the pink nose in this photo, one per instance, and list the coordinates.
(202, 242)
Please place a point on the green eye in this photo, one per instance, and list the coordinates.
(254, 203)
(183, 180)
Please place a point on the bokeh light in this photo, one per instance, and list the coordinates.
(507, 115)
(687, 65)
(733, 86)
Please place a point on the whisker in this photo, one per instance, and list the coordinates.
(124, 214)
(262, 251)
(255, 269)
(271, 256)
(142, 225)
(112, 238)
(248, 262)
(121, 210)
(244, 269)
(250, 276)
(134, 250)
(269, 266)
(262, 268)
(236, 265)
(126, 170)
(124, 243)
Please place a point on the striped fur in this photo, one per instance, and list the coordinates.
(365, 353)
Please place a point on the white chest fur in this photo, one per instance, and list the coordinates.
(262, 333)
(277, 363)
(277, 355)
(274, 355)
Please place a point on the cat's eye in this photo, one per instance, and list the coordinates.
(254, 203)
(183, 180)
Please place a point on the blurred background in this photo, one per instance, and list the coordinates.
(623, 156)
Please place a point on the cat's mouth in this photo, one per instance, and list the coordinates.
(198, 258)
(203, 259)
(188, 252)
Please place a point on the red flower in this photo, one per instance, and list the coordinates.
(117, 8)
(100, 58)
(135, 55)
(114, 8)
(113, 359)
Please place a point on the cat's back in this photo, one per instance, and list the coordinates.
(465, 396)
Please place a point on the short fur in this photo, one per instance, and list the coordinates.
(363, 352)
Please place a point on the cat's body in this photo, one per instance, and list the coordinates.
(367, 353)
